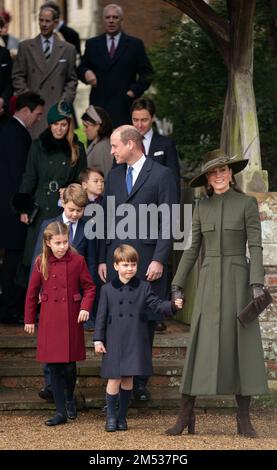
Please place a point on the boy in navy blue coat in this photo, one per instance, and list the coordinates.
(121, 332)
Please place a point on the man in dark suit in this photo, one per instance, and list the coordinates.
(159, 147)
(5, 81)
(15, 142)
(116, 66)
(154, 184)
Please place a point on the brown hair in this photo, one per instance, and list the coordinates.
(125, 253)
(85, 174)
(76, 194)
(233, 184)
(71, 139)
(54, 228)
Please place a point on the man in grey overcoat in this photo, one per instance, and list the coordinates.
(46, 65)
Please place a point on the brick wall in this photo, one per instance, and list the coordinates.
(268, 320)
(142, 18)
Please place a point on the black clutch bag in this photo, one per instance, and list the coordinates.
(254, 308)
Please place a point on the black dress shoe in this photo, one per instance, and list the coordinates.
(71, 409)
(46, 394)
(111, 425)
(160, 326)
(141, 394)
(58, 419)
(122, 425)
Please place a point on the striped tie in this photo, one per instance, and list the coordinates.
(46, 50)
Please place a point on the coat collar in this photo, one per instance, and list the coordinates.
(66, 257)
(134, 282)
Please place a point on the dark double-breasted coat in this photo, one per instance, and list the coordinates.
(121, 324)
(68, 289)
(129, 69)
(223, 357)
(163, 150)
(155, 185)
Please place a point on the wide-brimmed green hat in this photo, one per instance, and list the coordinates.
(214, 159)
(59, 111)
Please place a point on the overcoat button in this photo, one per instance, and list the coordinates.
(130, 302)
(121, 302)
(120, 315)
(130, 288)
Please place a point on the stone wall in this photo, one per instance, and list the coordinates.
(268, 320)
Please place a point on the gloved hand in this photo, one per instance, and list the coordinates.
(257, 290)
(176, 293)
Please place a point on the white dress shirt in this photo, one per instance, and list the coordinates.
(109, 40)
(147, 140)
(67, 221)
(51, 42)
(137, 168)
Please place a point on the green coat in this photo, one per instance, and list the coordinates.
(223, 357)
(47, 162)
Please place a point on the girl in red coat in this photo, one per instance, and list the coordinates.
(57, 278)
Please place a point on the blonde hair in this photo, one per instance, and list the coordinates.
(55, 228)
(125, 253)
(72, 143)
(75, 193)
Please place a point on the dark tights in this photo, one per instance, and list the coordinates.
(63, 380)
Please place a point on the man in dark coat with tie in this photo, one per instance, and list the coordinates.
(147, 183)
(15, 142)
(116, 66)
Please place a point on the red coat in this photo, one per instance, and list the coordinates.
(60, 337)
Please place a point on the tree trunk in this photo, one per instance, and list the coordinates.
(239, 133)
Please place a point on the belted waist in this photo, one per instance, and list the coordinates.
(53, 186)
(226, 252)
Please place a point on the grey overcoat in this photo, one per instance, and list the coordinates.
(223, 357)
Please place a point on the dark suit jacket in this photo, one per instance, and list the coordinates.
(70, 35)
(155, 184)
(129, 69)
(85, 247)
(5, 74)
(163, 150)
(15, 142)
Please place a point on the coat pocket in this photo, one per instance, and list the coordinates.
(77, 297)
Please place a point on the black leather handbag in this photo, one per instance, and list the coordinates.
(254, 308)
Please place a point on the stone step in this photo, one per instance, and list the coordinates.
(166, 345)
(27, 372)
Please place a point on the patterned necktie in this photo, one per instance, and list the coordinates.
(70, 233)
(46, 50)
(112, 48)
(129, 179)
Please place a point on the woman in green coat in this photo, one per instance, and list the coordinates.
(55, 160)
(223, 358)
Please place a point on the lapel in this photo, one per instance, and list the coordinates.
(103, 50)
(153, 143)
(79, 235)
(37, 53)
(142, 177)
(123, 43)
(57, 51)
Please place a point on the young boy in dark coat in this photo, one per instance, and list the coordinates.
(121, 332)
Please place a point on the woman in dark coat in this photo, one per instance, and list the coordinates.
(223, 358)
(55, 160)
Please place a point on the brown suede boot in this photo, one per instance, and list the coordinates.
(244, 425)
(186, 417)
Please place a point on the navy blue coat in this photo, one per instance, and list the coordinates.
(163, 150)
(155, 184)
(85, 247)
(129, 69)
(121, 324)
(15, 142)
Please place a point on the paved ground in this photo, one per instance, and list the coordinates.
(213, 432)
